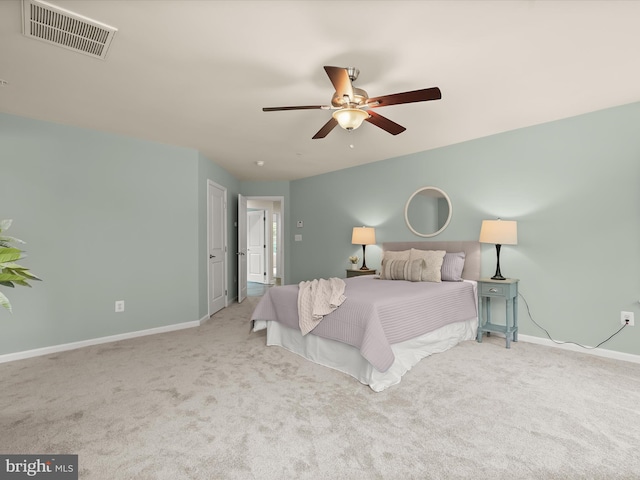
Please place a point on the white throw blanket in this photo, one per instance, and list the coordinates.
(317, 298)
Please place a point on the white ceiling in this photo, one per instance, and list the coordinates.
(197, 73)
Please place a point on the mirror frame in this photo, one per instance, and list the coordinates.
(406, 212)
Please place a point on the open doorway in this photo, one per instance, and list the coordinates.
(265, 259)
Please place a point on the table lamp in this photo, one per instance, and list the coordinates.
(363, 236)
(499, 232)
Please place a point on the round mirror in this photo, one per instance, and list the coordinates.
(428, 211)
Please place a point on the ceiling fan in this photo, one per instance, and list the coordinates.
(352, 105)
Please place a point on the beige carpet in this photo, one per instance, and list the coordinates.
(215, 403)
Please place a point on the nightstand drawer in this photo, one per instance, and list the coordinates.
(357, 273)
(494, 290)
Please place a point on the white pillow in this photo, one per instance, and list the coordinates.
(433, 261)
(401, 255)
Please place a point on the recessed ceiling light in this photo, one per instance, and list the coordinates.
(260, 163)
(3, 83)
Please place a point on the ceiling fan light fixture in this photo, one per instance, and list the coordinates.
(350, 118)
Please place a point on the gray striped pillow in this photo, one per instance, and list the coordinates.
(402, 270)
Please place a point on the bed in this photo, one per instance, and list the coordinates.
(387, 323)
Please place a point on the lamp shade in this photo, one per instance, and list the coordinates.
(350, 118)
(499, 232)
(363, 236)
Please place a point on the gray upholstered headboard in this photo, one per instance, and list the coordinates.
(471, 269)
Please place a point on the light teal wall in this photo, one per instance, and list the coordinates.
(106, 218)
(572, 185)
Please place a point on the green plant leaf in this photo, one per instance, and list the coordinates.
(9, 254)
(31, 276)
(4, 301)
(25, 273)
(10, 277)
(11, 274)
(12, 266)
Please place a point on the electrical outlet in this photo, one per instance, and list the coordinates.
(626, 317)
(119, 306)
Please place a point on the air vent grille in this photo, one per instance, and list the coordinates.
(61, 27)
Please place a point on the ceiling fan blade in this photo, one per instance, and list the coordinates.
(423, 95)
(341, 81)
(302, 107)
(384, 123)
(324, 131)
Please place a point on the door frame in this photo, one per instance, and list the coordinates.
(278, 268)
(274, 198)
(241, 248)
(212, 184)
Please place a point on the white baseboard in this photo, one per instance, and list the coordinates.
(10, 357)
(599, 352)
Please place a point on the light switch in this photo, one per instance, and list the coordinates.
(298, 238)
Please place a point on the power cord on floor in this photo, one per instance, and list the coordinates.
(562, 343)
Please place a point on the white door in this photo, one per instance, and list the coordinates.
(242, 248)
(217, 246)
(256, 245)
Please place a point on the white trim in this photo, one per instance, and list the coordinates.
(599, 352)
(38, 352)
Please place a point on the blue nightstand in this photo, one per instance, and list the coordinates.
(504, 289)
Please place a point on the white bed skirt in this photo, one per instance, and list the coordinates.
(347, 359)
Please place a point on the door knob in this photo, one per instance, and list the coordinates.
(212, 256)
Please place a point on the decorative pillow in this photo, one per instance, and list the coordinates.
(415, 269)
(402, 270)
(433, 262)
(393, 269)
(452, 266)
(391, 255)
(388, 256)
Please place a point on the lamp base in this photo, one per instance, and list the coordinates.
(498, 274)
(364, 259)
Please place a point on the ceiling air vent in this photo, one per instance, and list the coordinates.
(52, 24)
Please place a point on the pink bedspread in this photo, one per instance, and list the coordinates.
(378, 313)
